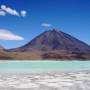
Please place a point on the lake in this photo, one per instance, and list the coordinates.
(43, 66)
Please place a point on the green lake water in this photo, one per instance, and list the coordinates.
(43, 66)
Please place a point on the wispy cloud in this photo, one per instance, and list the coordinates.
(8, 10)
(8, 35)
(2, 13)
(46, 25)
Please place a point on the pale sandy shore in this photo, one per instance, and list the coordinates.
(79, 80)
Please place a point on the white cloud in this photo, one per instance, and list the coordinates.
(8, 35)
(3, 7)
(11, 11)
(23, 13)
(46, 25)
(2, 13)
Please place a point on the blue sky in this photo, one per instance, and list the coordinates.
(70, 16)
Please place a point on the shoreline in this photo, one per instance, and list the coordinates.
(47, 72)
(44, 60)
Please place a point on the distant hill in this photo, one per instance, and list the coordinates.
(3, 54)
(1, 47)
(53, 44)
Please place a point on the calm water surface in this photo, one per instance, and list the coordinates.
(42, 66)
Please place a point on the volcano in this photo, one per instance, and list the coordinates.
(55, 44)
(55, 40)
